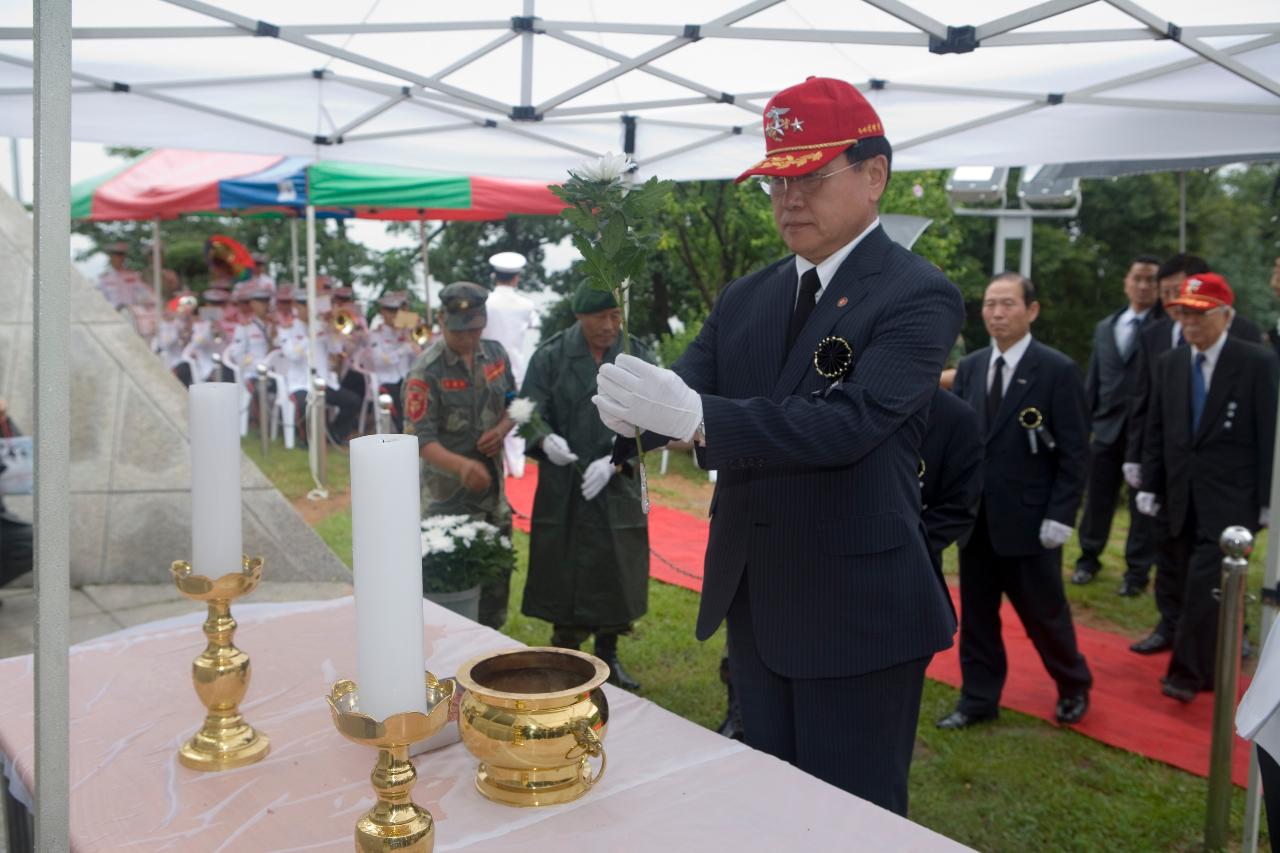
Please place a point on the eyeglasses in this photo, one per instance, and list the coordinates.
(776, 186)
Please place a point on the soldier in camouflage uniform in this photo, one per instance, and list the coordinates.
(455, 402)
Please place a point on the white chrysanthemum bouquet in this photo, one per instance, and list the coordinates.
(460, 552)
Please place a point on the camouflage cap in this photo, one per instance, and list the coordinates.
(463, 306)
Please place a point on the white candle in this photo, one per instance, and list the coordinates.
(386, 546)
(214, 428)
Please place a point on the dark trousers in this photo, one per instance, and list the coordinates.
(1197, 573)
(16, 550)
(353, 381)
(1270, 789)
(1171, 552)
(856, 733)
(348, 403)
(397, 418)
(1106, 478)
(1034, 587)
(182, 370)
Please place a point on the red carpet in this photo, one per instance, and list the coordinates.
(1126, 710)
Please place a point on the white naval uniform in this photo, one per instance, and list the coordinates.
(249, 346)
(204, 343)
(169, 344)
(390, 354)
(124, 287)
(511, 315)
(291, 340)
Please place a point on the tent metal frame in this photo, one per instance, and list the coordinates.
(55, 79)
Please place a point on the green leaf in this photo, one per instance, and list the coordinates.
(612, 235)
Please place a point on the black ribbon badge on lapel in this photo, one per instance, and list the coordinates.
(1032, 421)
(833, 359)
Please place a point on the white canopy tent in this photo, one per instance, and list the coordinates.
(527, 89)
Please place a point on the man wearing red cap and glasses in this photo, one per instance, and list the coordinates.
(808, 389)
(1206, 461)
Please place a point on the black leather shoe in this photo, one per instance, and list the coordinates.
(1131, 589)
(1083, 575)
(1173, 691)
(961, 720)
(618, 676)
(1071, 709)
(1152, 644)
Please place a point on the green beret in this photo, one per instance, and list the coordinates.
(589, 300)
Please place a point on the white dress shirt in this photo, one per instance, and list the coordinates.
(1210, 358)
(1011, 358)
(827, 269)
(1126, 328)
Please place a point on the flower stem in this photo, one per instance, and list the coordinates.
(620, 295)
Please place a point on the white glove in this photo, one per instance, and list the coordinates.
(557, 450)
(1054, 534)
(652, 398)
(621, 427)
(1264, 517)
(597, 476)
(1132, 474)
(1146, 503)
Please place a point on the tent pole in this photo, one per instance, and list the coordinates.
(293, 250)
(426, 269)
(15, 166)
(52, 337)
(317, 438)
(157, 269)
(1182, 211)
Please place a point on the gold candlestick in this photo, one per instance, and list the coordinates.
(395, 822)
(221, 673)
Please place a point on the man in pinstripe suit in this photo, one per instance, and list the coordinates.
(808, 389)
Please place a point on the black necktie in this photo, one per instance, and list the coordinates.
(809, 284)
(996, 395)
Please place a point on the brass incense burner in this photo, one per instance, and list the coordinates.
(221, 673)
(395, 822)
(534, 717)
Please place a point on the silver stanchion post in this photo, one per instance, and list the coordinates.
(318, 435)
(1237, 544)
(384, 414)
(264, 409)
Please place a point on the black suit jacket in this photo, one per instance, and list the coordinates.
(1022, 489)
(1227, 462)
(951, 476)
(1112, 378)
(1155, 340)
(817, 501)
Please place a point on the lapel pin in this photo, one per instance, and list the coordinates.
(1022, 381)
(843, 301)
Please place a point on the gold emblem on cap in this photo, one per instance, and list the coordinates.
(461, 305)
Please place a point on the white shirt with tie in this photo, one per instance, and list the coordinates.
(827, 269)
(1211, 356)
(1011, 358)
(1126, 329)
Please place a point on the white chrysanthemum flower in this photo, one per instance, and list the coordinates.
(466, 532)
(443, 522)
(521, 410)
(439, 542)
(506, 541)
(608, 167)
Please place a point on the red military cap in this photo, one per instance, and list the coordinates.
(809, 125)
(1204, 292)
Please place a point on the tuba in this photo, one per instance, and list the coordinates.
(421, 334)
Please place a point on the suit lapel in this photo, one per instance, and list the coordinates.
(1219, 388)
(779, 302)
(847, 288)
(1019, 384)
(1108, 342)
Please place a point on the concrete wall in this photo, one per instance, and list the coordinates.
(130, 460)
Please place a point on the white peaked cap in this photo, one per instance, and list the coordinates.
(507, 262)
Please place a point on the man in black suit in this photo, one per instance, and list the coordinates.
(1032, 404)
(1154, 341)
(1206, 459)
(1108, 388)
(808, 389)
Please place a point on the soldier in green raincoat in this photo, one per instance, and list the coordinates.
(589, 548)
(455, 402)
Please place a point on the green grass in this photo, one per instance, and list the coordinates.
(289, 471)
(1018, 784)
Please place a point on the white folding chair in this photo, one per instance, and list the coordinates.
(246, 398)
(369, 405)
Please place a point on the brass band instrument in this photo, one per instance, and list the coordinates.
(343, 323)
